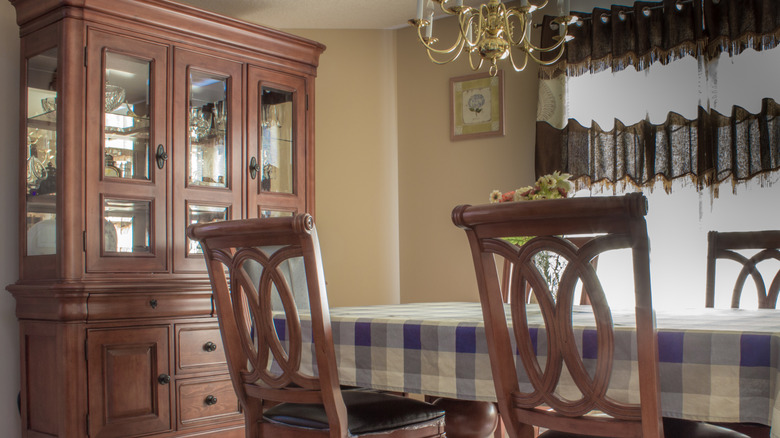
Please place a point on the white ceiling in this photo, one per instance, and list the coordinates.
(336, 14)
(315, 14)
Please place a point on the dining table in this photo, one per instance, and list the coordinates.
(717, 365)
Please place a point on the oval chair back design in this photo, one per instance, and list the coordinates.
(616, 222)
(270, 300)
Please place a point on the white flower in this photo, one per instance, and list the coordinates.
(495, 196)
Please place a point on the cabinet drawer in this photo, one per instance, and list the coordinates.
(199, 348)
(148, 305)
(207, 400)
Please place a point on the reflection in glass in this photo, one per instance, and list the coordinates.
(207, 122)
(275, 213)
(126, 226)
(203, 214)
(276, 112)
(42, 153)
(126, 107)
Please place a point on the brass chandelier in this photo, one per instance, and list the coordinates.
(493, 30)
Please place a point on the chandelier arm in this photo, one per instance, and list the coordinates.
(550, 62)
(559, 43)
(465, 19)
(455, 10)
(555, 46)
(523, 18)
(471, 62)
(453, 58)
(427, 43)
(525, 61)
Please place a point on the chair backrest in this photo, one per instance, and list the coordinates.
(616, 222)
(722, 245)
(262, 259)
(506, 276)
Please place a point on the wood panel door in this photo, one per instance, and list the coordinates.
(127, 170)
(207, 138)
(128, 372)
(280, 161)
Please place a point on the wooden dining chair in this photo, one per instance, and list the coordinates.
(724, 245)
(260, 319)
(616, 222)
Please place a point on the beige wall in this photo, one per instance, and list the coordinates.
(356, 165)
(436, 174)
(395, 181)
(9, 264)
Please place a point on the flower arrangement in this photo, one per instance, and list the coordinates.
(552, 186)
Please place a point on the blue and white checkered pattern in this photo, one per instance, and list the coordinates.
(716, 364)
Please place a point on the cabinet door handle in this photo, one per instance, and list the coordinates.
(210, 346)
(153, 303)
(161, 156)
(211, 400)
(254, 167)
(163, 379)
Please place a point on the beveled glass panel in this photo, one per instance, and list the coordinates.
(126, 226)
(203, 214)
(207, 126)
(275, 213)
(277, 124)
(42, 153)
(126, 109)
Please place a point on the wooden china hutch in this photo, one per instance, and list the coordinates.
(138, 118)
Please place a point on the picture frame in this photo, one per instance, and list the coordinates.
(477, 106)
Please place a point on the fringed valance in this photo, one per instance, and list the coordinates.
(709, 149)
(649, 32)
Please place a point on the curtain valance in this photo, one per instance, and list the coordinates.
(647, 32)
(709, 149)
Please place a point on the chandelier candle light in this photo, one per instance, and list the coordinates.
(491, 30)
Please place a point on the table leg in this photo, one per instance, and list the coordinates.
(468, 418)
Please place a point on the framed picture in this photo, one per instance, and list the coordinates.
(477, 106)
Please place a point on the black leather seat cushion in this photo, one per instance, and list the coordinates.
(367, 412)
(673, 428)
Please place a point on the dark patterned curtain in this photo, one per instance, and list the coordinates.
(709, 146)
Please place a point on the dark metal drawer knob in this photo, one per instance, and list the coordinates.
(211, 400)
(163, 379)
(153, 303)
(210, 346)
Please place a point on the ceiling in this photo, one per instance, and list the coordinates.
(315, 14)
(336, 14)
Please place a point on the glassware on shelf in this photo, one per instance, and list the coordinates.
(200, 123)
(126, 126)
(115, 96)
(277, 141)
(49, 104)
(207, 146)
(41, 150)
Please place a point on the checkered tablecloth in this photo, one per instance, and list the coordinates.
(716, 364)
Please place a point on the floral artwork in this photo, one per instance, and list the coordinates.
(474, 108)
(477, 106)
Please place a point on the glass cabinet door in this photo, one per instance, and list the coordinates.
(41, 154)
(276, 144)
(126, 148)
(207, 141)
